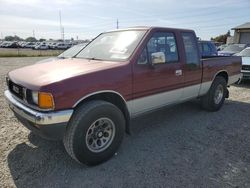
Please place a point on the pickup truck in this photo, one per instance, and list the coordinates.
(88, 101)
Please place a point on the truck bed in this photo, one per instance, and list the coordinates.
(213, 65)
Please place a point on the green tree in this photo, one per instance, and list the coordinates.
(31, 39)
(221, 38)
(13, 38)
(42, 40)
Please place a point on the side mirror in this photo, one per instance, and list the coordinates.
(158, 58)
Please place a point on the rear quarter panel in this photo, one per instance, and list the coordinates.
(212, 66)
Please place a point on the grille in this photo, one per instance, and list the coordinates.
(246, 67)
(16, 90)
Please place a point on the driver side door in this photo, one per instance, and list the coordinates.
(156, 85)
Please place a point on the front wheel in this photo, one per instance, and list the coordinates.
(95, 132)
(215, 97)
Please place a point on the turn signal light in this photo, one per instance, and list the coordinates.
(45, 100)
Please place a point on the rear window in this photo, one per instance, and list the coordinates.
(191, 49)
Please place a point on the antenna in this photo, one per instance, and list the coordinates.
(117, 24)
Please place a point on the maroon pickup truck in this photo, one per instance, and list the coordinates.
(88, 101)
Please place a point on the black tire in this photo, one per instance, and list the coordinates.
(75, 138)
(208, 102)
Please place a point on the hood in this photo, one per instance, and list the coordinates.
(47, 60)
(43, 74)
(245, 60)
(226, 53)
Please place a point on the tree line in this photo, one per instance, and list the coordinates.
(222, 38)
(28, 39)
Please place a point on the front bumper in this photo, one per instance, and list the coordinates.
(246, 74)
(49, 125)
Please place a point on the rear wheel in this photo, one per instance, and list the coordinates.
(95, 132)
(215, 97)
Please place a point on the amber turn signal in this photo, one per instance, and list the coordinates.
(45, 100)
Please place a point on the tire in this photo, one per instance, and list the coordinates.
(94, 132)
(216, 95)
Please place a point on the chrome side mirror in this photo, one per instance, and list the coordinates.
(158, 58)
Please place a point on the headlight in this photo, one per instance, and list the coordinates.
(43, 100)
(35, 97)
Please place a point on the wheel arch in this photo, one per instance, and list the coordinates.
(222, 73)
(109, 96)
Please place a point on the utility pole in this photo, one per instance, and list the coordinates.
(61, 30)
(34, 34)
(63, 34)
(117, 24)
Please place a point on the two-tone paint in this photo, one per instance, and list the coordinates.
(140, 87)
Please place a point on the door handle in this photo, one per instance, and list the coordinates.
(178, 72)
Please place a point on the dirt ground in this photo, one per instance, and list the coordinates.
(181, 146)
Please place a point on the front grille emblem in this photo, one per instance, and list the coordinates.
(16, 89)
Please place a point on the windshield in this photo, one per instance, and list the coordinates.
(245, 53)
(117, 45)
(235, 47)
(71, 52)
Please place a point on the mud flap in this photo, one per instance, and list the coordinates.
(227, 94)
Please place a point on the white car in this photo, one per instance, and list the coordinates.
(62, 46)
(245, 54)
(42, 47)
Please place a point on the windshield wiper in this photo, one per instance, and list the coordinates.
(93, 58)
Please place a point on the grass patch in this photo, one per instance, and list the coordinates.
(5, 52)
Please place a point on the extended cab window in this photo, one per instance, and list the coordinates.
(163, 42)
(191, 49)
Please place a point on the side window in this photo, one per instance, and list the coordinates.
(206, 48)
(164, 42)
(191, 49)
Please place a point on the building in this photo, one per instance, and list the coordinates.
(242, 34)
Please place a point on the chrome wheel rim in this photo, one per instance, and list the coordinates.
(100, 135)
(218, 94)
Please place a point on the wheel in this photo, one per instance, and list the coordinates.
(215, 97)
(94, 132)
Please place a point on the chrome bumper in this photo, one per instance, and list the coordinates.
(36, 117)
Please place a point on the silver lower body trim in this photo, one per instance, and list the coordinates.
(36, 117)
(235, 78)
(152, 102)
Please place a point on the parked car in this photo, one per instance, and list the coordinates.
(13, 45)
(245, 54)
(23, 44)
(221, 47)
(53, 45)
(4, 44)
(29, 45)
(88, 101)
(207, 48)
(61, 46)
(232, 49)
(41, 47)
(10, 44)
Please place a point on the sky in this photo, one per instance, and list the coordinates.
(84, 19)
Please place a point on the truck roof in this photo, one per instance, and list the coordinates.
(148, 28)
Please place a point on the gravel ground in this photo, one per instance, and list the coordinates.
(181, 146)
